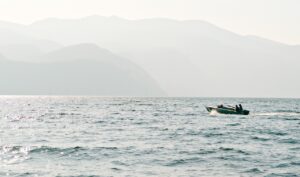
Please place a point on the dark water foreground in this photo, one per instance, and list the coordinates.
(94, 136)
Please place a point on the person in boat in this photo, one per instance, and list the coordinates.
(237, 109)
(240, 106)
(220, 106)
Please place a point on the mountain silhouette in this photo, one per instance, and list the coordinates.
(83, 69)
(185, 57)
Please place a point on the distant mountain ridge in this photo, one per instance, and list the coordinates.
(185, 57)
(83, 69)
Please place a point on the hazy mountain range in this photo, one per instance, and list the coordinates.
(102, 55)
(83, 69)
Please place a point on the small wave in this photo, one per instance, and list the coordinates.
(234, 150)
(190, 114)
(295, 149)
(56, 150)
(295, 163)
(272, 132)
(193, 132)
(178, 162)
(211, 134)
(281, 165)
(294, 118)
(62, 114)
(282, 175)
(116, 169)
(290, 141)
(117, 162)
(66, 151)
(260, 138)
(116, 104)
(115, 113)
(233, 124)
(99, 122)
(26, 174)
(145, 104)
(156, 114)
(204, 152)
(254, 170)
(226, 149)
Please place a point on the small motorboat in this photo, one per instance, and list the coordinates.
(227, 110)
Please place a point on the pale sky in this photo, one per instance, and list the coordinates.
(278, 20)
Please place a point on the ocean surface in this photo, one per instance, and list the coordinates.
(99, 136)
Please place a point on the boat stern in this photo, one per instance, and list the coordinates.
(246, 112)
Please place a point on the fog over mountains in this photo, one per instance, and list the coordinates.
(152, 57)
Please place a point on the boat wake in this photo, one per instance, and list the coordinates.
(279, 113)
(213, 113)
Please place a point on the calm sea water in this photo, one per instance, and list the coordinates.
(95, 136)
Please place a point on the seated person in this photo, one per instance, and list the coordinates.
(237, 109)
(240, 106)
